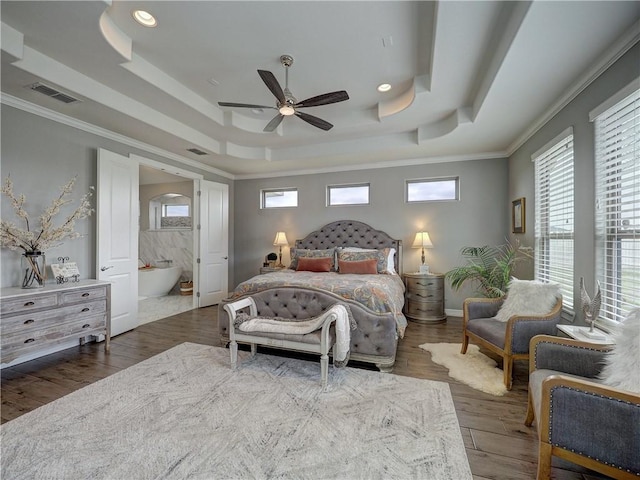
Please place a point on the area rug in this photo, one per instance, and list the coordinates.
(185, 414)
(473, 368)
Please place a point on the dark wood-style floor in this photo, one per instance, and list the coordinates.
(498, 444)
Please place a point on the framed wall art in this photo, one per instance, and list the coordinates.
(518, 215)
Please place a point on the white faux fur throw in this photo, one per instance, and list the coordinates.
(343, 325)
(622, 364)
(528, 298)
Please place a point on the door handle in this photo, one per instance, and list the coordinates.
(102, 269)
(225, 258)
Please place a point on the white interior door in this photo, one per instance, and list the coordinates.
(213, 282)
(117, 213)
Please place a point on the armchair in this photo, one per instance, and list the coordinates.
(508, 339)
(579, 418)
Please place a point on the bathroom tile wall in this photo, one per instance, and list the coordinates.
(175, 245)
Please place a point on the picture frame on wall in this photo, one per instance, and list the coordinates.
(518, 215)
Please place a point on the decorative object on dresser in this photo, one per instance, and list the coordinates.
(423, 241)
(34, 242)
(270, 260)
(34, 320)
(185, 414)
(424, 297)
(280, 241)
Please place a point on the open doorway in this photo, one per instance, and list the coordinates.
(165, 244)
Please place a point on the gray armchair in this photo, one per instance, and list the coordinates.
(578, 418)
(508, 339)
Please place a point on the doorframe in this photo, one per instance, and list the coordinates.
(196, 178)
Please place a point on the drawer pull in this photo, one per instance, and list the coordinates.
(86, 294)
(86, 325)
(85, 309)
(27, 322)
(28, 304)
(29, 340)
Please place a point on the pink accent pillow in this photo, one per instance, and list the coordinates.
(322, 264)
(360, 267)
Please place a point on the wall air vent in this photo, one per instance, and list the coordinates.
(197, 151)
(52, 92)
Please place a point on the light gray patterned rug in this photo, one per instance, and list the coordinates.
(185, 414)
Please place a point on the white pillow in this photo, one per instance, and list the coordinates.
(622, 364)
(528, 297)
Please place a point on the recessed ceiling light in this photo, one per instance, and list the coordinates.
(384, 87)
(144, 18)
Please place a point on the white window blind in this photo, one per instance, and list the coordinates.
(554, 214)
(617, 134)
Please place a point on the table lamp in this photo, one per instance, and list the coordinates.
(281, 239)
(423, 241)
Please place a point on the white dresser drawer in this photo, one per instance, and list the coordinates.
(28, 303)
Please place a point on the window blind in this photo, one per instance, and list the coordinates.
(554, 217)
(617, 134)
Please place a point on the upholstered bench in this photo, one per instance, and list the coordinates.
(312, 335)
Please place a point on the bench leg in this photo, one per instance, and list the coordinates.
(324, 369)
(254, 349)
(233, 351)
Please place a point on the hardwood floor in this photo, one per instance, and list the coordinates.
(498, 444)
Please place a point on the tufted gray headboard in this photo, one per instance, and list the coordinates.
(351, 233)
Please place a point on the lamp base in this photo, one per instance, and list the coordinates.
(424, 269)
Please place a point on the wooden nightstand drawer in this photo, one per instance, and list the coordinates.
(424, 309)
(424, 283)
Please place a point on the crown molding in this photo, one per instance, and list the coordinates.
(34, 109)
(611, 55)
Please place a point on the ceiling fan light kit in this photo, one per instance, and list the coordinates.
(286, 104)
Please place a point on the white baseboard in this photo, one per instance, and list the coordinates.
(453, 313)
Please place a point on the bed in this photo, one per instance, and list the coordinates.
(374, 299)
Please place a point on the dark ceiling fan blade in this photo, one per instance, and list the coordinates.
(273, 124)
(324, 99)
(315, 121)
(242, 105)
(272, 83)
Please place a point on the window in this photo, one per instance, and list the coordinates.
(617, 134)
(283, 197)
(433, 189)
(348, 194)
(554, 210)
(175, 210)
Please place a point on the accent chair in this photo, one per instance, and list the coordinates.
(508, 339)
(579, 418)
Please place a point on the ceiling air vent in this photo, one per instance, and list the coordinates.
(52, 92)
(197, 151)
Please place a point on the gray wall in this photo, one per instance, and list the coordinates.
(576, 114)
(42, 155)
(479, 218)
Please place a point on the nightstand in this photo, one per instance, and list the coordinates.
(424, 297)
(264, 270)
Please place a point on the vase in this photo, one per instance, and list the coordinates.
(33, 270)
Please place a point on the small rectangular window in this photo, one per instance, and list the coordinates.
(433, 189)
(277, 198)
(348, 194)
(175, 210)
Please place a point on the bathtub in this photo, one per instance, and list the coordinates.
(157, 282)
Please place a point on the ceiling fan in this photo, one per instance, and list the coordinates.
(287, 104)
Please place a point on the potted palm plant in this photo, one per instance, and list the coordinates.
(490, 267)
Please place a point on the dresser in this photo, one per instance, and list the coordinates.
(34, 319)
(424, 297)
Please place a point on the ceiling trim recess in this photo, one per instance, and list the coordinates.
(608, 58)
(52, 115)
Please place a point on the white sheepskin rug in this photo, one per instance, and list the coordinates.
(473, 368)
(622, 367)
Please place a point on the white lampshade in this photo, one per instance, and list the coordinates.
(281, 239)
(422, 240)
